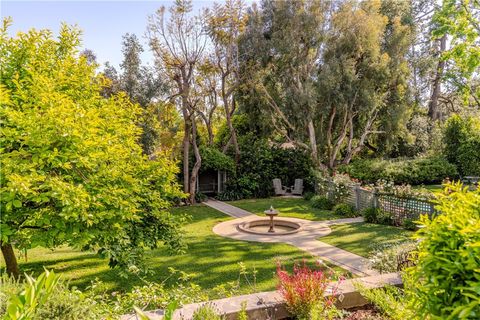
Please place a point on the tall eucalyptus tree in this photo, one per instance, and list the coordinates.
(322, 73)
(225, 23)
(178, 43)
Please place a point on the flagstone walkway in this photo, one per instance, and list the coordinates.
(226, 208)
(306, 239)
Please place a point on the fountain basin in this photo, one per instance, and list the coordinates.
(261, 226)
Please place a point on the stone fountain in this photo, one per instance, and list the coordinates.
(270, 226)
(271, 213)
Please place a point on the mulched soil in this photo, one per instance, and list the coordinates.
(367, 312)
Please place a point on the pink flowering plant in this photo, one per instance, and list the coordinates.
(304, 292)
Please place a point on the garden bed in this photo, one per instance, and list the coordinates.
(270, 305)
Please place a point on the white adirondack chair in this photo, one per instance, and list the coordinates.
(279, 189)
(297, 189)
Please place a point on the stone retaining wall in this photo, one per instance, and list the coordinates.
(270, 305)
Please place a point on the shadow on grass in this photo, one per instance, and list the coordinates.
(212, 259)
(363, 238)
(297, 208)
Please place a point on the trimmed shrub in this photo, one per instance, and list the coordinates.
(321, 202)
(344, 209)
(455, 132)
(308, 195)
(393, 257)
(375, 215)
(215, 159)
(409, 224)
(200, 197)
(445, 282)
(370, 215)
(462, 144)
(469, 157)
(384, 218)
(229, 195)
(412, 171)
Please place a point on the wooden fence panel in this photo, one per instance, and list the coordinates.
(400, 208)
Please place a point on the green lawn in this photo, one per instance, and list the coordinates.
(288, 207)
(214, 260)
(433, 188)
(362, 238)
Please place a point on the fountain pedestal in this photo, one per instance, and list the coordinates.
(266, 227)
(271, 213)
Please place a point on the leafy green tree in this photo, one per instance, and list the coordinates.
(142, 86)
(444, 282)
(178, 44)
(398, 40)
(280, 51)
(420, 57)
(459, 20)
(209, 106)
(354, 81)
(328, 78)
(71, 169)
(225, 24)
(462, 140)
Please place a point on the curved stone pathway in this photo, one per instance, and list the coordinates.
(226, 208)
(305, 239)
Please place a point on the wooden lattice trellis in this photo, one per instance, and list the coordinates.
(400, 208)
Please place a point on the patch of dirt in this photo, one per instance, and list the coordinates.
(367, 312)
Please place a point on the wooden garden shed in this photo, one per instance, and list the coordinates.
(213, 175)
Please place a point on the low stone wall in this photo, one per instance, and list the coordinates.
(270, 305)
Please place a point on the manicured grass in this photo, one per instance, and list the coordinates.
(288, 207)
(433, 188)
(214, 260)
(362, 238)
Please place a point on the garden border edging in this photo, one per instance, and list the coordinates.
(264, 304)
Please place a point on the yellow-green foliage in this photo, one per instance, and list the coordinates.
(389, 301)
(445, 283)
(71, 168)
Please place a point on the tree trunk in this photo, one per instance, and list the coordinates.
(186, 154)
(233, 133)
(208, 124)
(185, 89)
(227, 145)
(10, 260)
(313, 143)
(210, 134)
(433, 110)
(197, 165)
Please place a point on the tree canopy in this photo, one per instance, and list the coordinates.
(336, 83)
(72, 171)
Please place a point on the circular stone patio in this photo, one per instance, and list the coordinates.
(306, 239)
(308, 230)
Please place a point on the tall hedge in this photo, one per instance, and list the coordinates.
(469, 156)
(261, 162)
(409, 171)
(462, 144)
